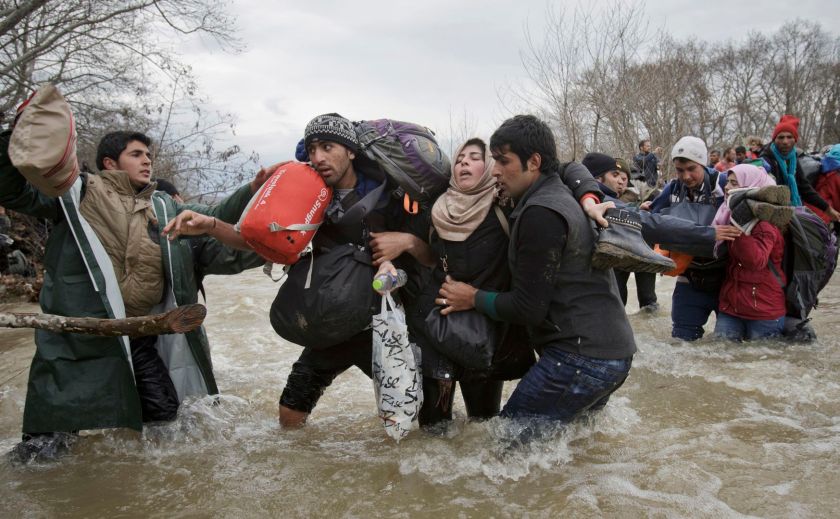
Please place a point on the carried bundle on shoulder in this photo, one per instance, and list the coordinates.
(811, 251)
(43, 142)
(409, 154)
(282, 217)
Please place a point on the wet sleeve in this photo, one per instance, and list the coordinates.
(213, 257)
(420, 224)
(663, 228)
(228, 210)
(578, 179)
(541, 240)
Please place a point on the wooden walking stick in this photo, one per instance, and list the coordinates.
(178, 320)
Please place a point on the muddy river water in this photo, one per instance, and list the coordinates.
(699, 430)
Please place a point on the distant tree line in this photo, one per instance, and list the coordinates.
(605, 79)
(118, 65)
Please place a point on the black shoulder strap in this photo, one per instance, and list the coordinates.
(361, 208)
(710, 189)
(775, 273)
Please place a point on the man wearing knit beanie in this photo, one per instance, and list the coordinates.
(782, 156)
(613, 176)
(363, 217)
(331, 143)
(789, 124)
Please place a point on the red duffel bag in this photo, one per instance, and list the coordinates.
(284, 214)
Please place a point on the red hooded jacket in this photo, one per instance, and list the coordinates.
(751, 290)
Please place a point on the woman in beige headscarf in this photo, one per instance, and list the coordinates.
(467, 235)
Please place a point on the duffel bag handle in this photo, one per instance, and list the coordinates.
(276, 227)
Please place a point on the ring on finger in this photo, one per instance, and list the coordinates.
(444, 302)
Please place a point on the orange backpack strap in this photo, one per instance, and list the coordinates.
(410, 206)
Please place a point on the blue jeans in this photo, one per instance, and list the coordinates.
(690, 309)
(737, 329)
(562, 385)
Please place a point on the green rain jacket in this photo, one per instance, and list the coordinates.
(79, 381)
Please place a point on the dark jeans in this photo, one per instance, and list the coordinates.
(315, 370)
(158, 397)
(690, 309)
(645, 286)
(562, 385)
(482, 398)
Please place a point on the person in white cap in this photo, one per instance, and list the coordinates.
(695, 194)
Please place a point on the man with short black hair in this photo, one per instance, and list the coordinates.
(714, 158)
(106, 258)
(647, 162)
(555, 291)
(740, 154)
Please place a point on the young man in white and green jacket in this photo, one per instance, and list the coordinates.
(106, 257)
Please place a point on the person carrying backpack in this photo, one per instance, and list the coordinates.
(363, 223)
(752, 302)
(785, 166)
(695, 194)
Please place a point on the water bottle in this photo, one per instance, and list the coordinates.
(386, 281)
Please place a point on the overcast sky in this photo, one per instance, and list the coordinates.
(416, 61)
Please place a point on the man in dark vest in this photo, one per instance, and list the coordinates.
(573, 312)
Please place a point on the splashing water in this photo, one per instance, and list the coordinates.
(709, 429)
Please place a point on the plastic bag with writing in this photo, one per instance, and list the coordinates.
(397, 376)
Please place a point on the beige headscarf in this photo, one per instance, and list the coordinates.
(458, 212)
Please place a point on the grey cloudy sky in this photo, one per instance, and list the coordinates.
(417, 61)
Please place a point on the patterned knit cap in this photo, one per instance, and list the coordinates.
(332, 128)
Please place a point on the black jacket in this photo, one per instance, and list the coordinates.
(564, 302)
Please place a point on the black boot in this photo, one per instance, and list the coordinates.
(621, 246)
